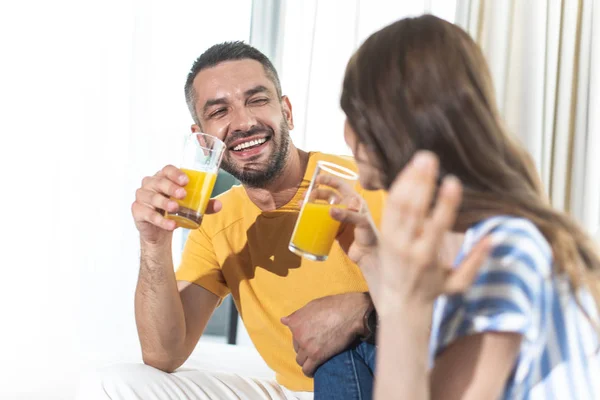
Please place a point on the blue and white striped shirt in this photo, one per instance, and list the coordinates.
(516, 292)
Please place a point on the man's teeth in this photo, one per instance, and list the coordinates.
(251, 143)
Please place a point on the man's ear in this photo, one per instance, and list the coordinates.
(287, 111)
(195, 128)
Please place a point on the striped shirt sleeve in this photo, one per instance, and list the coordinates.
(509, 294)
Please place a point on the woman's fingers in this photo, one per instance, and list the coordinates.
(338, 184)
(410, 199)
(463, 276)
(351, 200)
(326, 195)
(347, 216)
(444, 213)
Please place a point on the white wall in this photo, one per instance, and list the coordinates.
(91, 94)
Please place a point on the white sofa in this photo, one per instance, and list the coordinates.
(58, 379)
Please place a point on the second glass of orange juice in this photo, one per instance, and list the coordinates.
(201, 160)
(315, 229)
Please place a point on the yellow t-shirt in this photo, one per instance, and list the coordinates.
(244, 251)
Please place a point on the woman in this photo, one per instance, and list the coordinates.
(518, 315)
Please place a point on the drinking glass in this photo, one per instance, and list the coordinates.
(202, 156)
(315, 229)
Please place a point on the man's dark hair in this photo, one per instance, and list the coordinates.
(227, 51)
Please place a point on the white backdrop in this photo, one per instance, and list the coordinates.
(91, 93)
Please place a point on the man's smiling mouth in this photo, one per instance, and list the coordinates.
(250, 144)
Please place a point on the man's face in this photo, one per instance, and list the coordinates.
(238, 103)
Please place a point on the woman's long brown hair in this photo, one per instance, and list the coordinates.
(423, 84)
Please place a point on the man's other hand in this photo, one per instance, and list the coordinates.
(325, 327)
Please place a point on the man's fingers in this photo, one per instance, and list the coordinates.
(463, 276)
(214, 206)
(309, 367)
(169, 181)
(143, 213)
(174, 174)
(301, 358)
(163, 185)
(155, 200)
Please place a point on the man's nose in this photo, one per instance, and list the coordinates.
(243, 120)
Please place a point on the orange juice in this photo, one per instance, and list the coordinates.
(315, 231)
(193, 205)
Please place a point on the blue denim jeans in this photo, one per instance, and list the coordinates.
(347, 376)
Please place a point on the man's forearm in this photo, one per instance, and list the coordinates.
(158, 309)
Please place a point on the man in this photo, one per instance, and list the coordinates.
(297, 312)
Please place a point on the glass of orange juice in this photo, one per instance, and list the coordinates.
(315, 229)
(202, 156)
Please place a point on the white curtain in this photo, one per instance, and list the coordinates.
(545, 60)
(318, 38)
(91, 94)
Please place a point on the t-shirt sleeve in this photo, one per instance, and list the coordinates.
(199, 264)
(511, 293)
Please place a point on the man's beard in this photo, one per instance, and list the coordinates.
(275, 164)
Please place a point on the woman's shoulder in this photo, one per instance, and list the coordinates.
(520, 255)
(511, 236)
(512, 288)
(507, 226)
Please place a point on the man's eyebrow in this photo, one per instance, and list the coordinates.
(213, 102)
(257, 89)
(223, 101)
